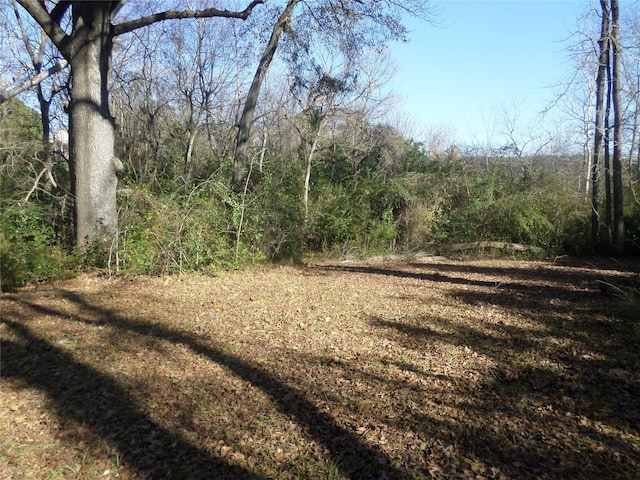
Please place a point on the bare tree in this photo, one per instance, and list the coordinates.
(618, 213)
(200, 72)
(140, 97)
(338, 100)
(86, 42)
(347, 26)
(603, 60)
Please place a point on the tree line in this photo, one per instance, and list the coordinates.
(200, 137)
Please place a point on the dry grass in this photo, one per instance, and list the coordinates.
(484, 369)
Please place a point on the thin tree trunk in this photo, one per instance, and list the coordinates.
(241, 156)
(618, 213)
(308, 167)
(634, 127)
(603, 43)
(588, 154)
(187, 171)
(263, 151)
(607, 153)
(638, 162)
(37, 58)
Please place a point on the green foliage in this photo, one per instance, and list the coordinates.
(19, 124)
(277, 211)
(12, 273)
(389, 195)
(175, 233)
(359, 215)
(29, 250)
(423, 222)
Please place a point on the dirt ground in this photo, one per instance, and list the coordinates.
(427, 368)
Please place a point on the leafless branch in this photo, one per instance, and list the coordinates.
(49, 24)
(33, 81)
(172, 14)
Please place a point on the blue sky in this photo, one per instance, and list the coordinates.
(484, 56)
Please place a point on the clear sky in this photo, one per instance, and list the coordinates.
(485, 56)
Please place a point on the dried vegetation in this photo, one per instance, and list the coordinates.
(379, 370)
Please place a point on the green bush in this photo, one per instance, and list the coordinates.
(171, 233)
(456, 201)
(12, 272)
(276, 211)
(29, 250)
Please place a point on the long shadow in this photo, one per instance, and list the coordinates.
(550, 291)
(570, 399)
(547, 291)
(608, 345)
(395, 272)
(574, 278)
(572, 270)
(353, 458)
(586, 391)
(84, 395)
(419, 332)
(535, 301)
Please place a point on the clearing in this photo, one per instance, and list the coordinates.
(430, 368)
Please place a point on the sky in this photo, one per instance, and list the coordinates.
(484, 58)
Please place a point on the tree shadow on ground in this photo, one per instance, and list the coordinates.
(82, 394)
(561, 416)
(569, 278)
(563, 399)
(499, 282)
(569, 270)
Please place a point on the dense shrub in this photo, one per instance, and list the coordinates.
(455, 201)
(175, 218)
(362, 217)
(174, 233)
(29, 249)
(276, 210)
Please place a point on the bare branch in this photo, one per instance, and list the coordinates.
(244, 125)
(33, 81)
(48, 23)
(25, 37)
(172, 15)
(59, 10)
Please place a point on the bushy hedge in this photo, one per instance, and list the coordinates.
(462, 201)
(30, 250)
(202, 230)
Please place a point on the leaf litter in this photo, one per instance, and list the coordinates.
(485, 369)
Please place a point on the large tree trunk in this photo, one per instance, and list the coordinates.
(92, 132)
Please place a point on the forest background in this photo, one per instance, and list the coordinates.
(334, 166)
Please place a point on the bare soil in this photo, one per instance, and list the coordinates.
(378, 370)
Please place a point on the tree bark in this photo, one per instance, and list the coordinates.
(241, 156)
(618, 213)
(603, 43)
(88, 48)
(607, 151)
(92, 131)
(187, 171)
(308, 167)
